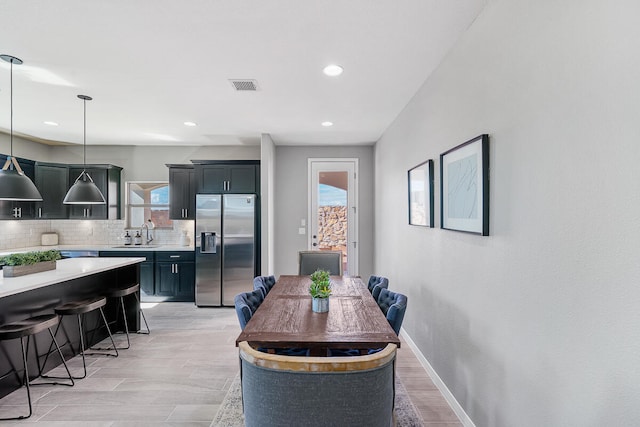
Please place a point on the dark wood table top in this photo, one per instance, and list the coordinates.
(285, 318)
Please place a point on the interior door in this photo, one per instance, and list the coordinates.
(333, 216)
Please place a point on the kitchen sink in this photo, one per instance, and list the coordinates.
(136, 246)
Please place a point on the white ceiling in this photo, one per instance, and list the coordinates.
(151, 65)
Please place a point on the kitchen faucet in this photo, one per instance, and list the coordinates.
(149, 236)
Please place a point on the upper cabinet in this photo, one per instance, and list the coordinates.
(52, 180)
(237, 176)
(107, 179)
(18, 210)
(182, 192)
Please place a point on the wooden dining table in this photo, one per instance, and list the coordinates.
(285, 319)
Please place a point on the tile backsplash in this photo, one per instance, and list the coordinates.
(22, 234)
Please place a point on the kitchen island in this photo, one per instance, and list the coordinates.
(39, 293)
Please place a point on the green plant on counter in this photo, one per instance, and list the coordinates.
(320, 284)
(27, 258)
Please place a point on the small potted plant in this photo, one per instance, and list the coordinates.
(19, 264)
(320, 290)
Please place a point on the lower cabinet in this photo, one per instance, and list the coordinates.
(164, 276)
(175, 275)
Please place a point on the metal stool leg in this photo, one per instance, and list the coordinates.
(113, 344)
(64, 362)
(148, 331)
(25, 380)
(126, 326)
(81, 331)
(54, 341)
(40, 368)
(109, 332)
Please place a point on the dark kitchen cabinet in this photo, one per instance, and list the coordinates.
(53, 182)
(182, 192)
(216, 177)
(18, 210)
(147, 269)
(107, 179)
(175, 276)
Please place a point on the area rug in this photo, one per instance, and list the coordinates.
(230, 412)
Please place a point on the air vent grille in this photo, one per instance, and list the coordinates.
(244, 84)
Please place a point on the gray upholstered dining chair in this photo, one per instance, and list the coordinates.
(376, 284)
(393, 305)
(312, 391)
(265, 283)
(246, 304)
(310, 261)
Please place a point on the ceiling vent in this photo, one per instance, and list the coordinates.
(244, 84)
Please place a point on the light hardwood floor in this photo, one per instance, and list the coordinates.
(178, 375)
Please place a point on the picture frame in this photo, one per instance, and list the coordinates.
(464, 187)
(420, 180)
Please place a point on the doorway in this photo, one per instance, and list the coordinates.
(333, 219)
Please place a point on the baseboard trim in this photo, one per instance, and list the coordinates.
(448, 396)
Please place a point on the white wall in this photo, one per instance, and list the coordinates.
(267, 203)
(292, 202)
(537, 324)
(23, 148)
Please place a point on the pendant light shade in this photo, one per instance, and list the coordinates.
(84, 191)
(14, 184)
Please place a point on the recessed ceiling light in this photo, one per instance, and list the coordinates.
(50, 123)
(190, 124)
(332, 70)
(327, 124)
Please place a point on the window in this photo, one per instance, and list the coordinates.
(147, 200)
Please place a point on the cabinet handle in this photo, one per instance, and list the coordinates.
(174, 256)
(39, 212)
(186, 213)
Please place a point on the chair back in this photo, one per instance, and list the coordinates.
(376, 284)
(393, 305)
(279, 388)
(310, 261)
(246, 304)
(264, 283)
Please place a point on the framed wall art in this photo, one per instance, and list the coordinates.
(464, 187)
(421, 194)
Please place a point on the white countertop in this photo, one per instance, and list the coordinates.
(99, 248)
(66, 269)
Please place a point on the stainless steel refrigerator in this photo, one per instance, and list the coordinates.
(225, 247)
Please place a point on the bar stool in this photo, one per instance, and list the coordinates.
(121, 293)
(79, 309)
(27, 328)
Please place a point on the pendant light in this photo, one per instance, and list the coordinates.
(84, 191)
(14, 184)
